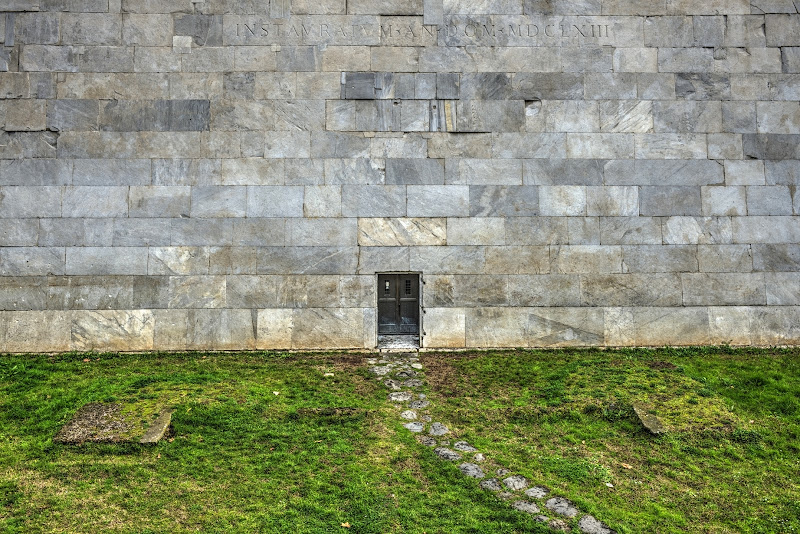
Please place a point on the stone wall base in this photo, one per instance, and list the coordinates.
(354, 328)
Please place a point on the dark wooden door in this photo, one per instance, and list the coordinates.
(398, 304)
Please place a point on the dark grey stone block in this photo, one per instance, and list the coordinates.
(23, 293)
(72, 115)
(35, 172)
(448, 85)
(487, 86)
(90, 293)
(141, 232)
(205, 30)
(299, 59)
(563, 171)
(776, 258)
(771, 146)
(673, 200)
(307, 260)
(414, 171)
(548, 86)
(339, 145)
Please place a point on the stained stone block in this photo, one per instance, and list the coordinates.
(470, 231)
(49, 331)
(671, 326)
(676, 117)
(776, 257)
(562, 200)
(307, 260)
(563, 171)
(232, 260)
(22, 294)
(702, 86)
(671, 200)
(611, 201)
(725, 146)
(631, 290)
(771, 146)
(577, 259)
(19, 232)
(790, 59)
(373, 201)
(630, 230)
(783, 289)
(205, 30)
(323, 232)
(694, 230)
(659, 259)
(725, 289)
(782, 173)
(95, 201)
(489, 116)
(249, 171)
(626, 116)
(709, 30)
(783, 30)
(156, 201)
(35, 28)
(26, 202)
(770, 230)
(106, 260)
(739, 117)
(489, 172)
(401, 232)
(196, 291)
(448, 260)
(725, 258)
(414, 171)
(328, 328)
(149, 30)
(178, 260)
(438, 200)
(354, 171)
(600, 146)
(517, 260)
(275, 201)
(543, 290)
(509, 201)
(769, 200)
(31, 261)
(685, 60)
(666, 32)
(377, 259)
(179, 171)
(269, 232)
(529, 145)
(200, 232)
(322, 201)
(274, 329)
(724, 201)
(23, 115)
(72, 115)
(536, 231)
(35, 172)
(537, 327)
(466, 290)
(446, 145)
(91, 29)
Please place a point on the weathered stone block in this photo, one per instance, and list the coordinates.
(26, 202)
(631, 290)
(694, 230)
(178, 260)
(771, 230)
(600, 146)
(659, 259)
(776, 257)
(783, 289)
(670, 200)
(508, 201)
(578, 259)
(724, 201)
(725, 289)
(771, 146)
(275, 201)
(563, 171)
(671, 326)
(536, 231)
(630, 231)
(476, 231)
(725, 258)
(543, 290)
(106, 260)
(31, 261)
(438, 201)
(611, 201)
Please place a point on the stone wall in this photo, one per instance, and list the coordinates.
(231, 174)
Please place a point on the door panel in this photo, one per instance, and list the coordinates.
(398, 304)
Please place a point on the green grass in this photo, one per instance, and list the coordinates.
(243, 459)
(730, 462)
(240, 459)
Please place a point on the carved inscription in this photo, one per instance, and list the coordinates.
(410, 31)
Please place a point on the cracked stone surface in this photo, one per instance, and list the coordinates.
(419, 404)
(401, 396)
(516, 482)
(392, 384)
(463, 446)
(562, 506)
(537, 492)
(471, 470)
(491, 484)
(408, 414)
(415, 426)
(589, 525)
(438, 429)
(446, 454)
(525, 506)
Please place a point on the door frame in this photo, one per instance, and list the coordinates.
(419, 304)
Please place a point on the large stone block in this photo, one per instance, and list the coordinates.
(544, 290)
(630, 231)
(307, 260)
(612, 201)
(771, 230)
(35, 331)
(414, 171)
(329, 232)
(659, 259)
(776, 257)
(113, 330)
(328, 328)
(725, 258)
(373, 201)
(398, 232)
(578, 259)
(724, 201)
(536, 231)
(552, 171)
(562, 200)
(697, 230)
(669, 200)
(17, 202)
(476, 231)
(631, 290)
(31, 261)
(438, 200)
(723, 289)
(508, 201)
(783, 289)
(671, 326)
(561, 116)
(275, 201)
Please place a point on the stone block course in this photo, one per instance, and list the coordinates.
(221, 175)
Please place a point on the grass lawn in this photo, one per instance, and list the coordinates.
(257, 445)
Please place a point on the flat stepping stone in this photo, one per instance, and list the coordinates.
(158, 429)
(562, 506)
(406, 374)
(417, 366)
(412, 383)
(537, 492)
(589, 525)
(463, 446)
(446, 454)
(438, 429)
(401, 396)
(491, 484)
(525, 506)
(559, 525)
(471, 470)
(392, 384)
(479, 457)
(381, 370)
(409, 414)
(516, 482)
(426, 418)
(419, 404)
(427, 441)
(415, 427)
(502, 472)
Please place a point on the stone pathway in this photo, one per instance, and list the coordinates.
(403, 376)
